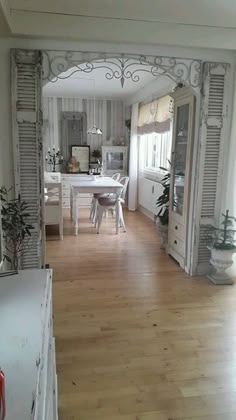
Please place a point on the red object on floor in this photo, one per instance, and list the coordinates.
(2, 396)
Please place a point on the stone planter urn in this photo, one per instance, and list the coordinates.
(221, 260)
(163, 230)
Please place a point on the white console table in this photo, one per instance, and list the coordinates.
(27, 350)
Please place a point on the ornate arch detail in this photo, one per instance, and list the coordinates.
(121, 66)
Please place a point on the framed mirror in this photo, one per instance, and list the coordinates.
(82, 156)
(73, 131)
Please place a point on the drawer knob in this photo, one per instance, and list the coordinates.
(176, 227)
(175, 242)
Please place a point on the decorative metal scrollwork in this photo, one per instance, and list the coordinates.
(120, 66)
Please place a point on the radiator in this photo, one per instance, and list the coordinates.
(148, 193)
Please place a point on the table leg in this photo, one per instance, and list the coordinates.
(71, 205)
(75, 215)
(117, 217)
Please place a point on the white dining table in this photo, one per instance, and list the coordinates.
(99, 185)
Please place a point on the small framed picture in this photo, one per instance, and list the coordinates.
(82, 156)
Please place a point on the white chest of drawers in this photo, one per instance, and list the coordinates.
(84, 199)
(27, 350)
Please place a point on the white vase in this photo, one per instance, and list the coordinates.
(221, 260)
(163, 230)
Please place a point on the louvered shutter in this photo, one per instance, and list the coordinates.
(27, 144)
(212, 153)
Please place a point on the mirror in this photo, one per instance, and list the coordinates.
(74, 131)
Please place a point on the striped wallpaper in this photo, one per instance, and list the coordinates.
(109, 116)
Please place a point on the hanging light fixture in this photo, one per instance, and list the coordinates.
(94, 129)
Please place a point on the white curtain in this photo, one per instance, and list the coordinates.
(133, 160)
(155, 116)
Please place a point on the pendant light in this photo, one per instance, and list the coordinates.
(94, 129)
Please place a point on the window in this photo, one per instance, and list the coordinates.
(155, 151)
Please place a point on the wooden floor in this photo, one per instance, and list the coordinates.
(136, 338)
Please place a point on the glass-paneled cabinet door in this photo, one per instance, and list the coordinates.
(114, 159)
(180, 156)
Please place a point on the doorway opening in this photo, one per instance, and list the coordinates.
(86, 90)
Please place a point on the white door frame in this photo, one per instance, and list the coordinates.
(188, 71)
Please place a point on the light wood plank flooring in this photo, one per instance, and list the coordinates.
(136, 338)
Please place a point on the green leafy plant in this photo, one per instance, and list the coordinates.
(164, 199)
(223, 238)
(128, 124)
(15, 226)
(96, 154)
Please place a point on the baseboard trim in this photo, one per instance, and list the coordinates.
(146, 212)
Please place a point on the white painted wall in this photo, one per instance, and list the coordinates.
(6, 155)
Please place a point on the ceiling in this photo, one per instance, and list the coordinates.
(204, 12)
(202, 23)
(96, 84)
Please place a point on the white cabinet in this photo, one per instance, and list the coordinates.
(27, 350)
(115, 159)
(84, 200)
(180, 174)
(65, 179)
(52, 177)
(148, 193)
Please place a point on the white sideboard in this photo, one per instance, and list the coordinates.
(27, 350)
(84, 199)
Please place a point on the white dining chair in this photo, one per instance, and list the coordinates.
(116, 176)
(110, 203)
(94, 203)
(53, 214)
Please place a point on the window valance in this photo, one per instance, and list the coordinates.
(155, 116)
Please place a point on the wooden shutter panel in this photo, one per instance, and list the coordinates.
(212, 151)
(27, 144)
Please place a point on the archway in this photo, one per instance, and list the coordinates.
(209, 82)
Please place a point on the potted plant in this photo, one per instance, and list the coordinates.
(162, 217)
(15, 226)
(96, 154)
(128, 125)
(222, 245)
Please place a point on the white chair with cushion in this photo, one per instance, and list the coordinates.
(109, 202)
(53, 214)
(93, 210)
(52, 177)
